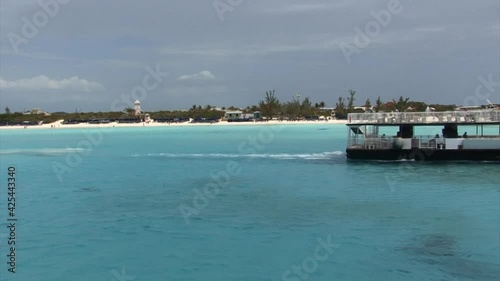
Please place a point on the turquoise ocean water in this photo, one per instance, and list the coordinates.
(240, 203)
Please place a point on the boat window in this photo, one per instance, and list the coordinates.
(356, 130)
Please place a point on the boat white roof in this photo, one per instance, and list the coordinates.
(471, 117)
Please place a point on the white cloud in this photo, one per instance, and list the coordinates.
(203, 75)
(43, 82)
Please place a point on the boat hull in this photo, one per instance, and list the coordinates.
(424, 154)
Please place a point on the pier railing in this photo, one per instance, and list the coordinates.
(379, 143)
(465, 117)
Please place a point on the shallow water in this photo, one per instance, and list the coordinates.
(101, 205)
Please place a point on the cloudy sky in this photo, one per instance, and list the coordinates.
(92, 55)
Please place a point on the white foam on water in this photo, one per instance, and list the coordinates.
(309, 156)
(42, 151)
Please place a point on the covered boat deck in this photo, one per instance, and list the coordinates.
(409, 131)
(427, 118)
(449, 136)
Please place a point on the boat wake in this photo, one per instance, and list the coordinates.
(42, 151)
(284, 156)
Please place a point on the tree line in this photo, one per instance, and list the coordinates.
(271, 107)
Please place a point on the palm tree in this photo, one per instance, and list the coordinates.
(340, 108)
(350, 101)
(368, 104)
(306, 106)
(270, 105)
(378, 104)
(306, 103)
(401, 104)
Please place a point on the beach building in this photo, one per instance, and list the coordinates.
(255, 115)
(36, 111)
(233, 114)
(137, 107)
(332, 114)
(239, 115)
(144, 117)
(364, 108)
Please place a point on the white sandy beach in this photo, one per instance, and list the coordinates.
(58, 124)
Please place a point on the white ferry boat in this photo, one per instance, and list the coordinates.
(456, 135)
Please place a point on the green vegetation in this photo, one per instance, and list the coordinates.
(194, 112)
(270, 106)
(402, 104)
(291, 110)
(128, 113)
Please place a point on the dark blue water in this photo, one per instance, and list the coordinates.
(240, 203)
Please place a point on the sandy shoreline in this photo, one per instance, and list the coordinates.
(58, 124)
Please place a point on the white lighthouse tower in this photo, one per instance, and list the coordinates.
(137, 107)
